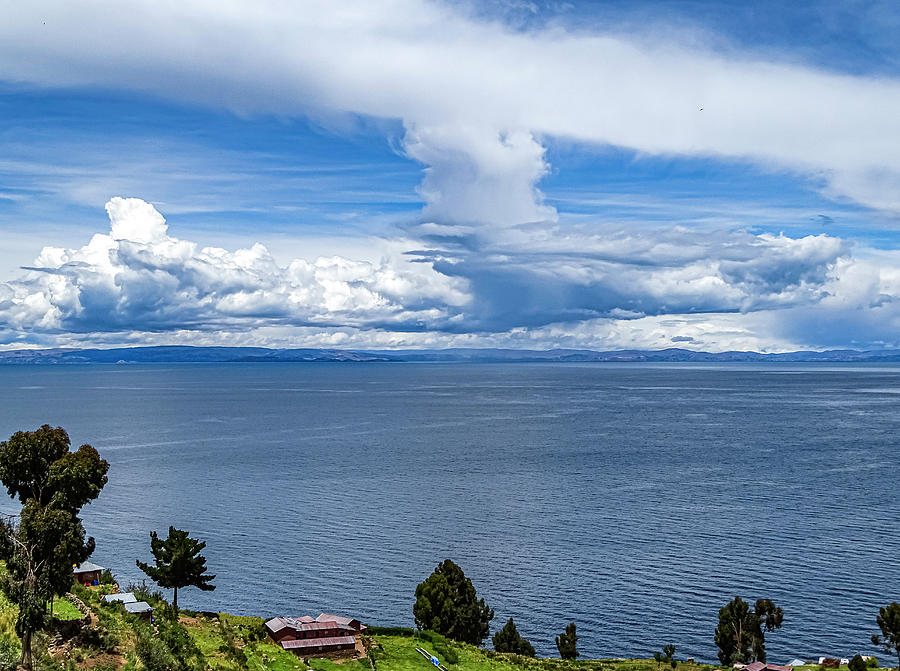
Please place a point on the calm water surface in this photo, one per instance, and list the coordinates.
(633, 499)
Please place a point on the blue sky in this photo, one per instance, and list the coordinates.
(426, 174)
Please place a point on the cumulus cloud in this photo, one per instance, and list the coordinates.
(526, 287)
(475, 95)
(138, 277)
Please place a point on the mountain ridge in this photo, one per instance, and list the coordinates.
(192, 354)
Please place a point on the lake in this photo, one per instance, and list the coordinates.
(633, 499)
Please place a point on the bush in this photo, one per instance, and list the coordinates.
(153, 652)
(857, 663)
(872, 663)
(9, 655)
(107, 578)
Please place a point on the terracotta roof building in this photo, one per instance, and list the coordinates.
(305, 635)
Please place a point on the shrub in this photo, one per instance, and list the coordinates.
(9, 655)
(872, 663)
(153, 652)
(857, 663)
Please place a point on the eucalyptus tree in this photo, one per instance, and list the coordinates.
(42, 544)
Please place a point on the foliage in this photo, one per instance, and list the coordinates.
(857, 663)
(889, 622)
(446, 602)
(567, 642)
(229, 646)
(509, 639)
(740, 635)
(172, 649)
(872, 663)
(9, 655)
(107, 578)
(178, 562)
(667, 655)
(53, 484)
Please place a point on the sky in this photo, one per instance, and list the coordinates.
(435, 173)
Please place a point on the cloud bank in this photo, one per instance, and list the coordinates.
(547, 286)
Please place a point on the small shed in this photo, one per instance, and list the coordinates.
(88, 573)
(140, 608)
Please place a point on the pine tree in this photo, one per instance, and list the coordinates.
(509, 639)
(889, 622)
(446, 602)
(178, 563)
(567, 641)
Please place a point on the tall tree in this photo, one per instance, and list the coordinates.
(446, 602)
(889, 622)
(567, 642)
(178, 563)
(740, 635)
(48, 538)
(509, 639)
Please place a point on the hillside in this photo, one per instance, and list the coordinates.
(118, 641)
(186, 354)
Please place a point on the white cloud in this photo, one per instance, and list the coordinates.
(138, 277)
(474, 94)
(534, 286)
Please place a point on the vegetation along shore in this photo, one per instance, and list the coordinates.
(57, 611)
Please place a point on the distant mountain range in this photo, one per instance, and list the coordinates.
(183, 354)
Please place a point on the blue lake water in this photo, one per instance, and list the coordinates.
(633, 499)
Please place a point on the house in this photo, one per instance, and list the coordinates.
(122, 597)
(305, 636)
(350, 622)
(140, 608)
(88, 573)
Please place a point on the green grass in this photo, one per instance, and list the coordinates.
(398, 653)
(63, 609)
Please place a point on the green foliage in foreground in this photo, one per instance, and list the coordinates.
(889, 622)
(52, 484)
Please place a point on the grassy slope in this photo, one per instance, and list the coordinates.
(392, 653)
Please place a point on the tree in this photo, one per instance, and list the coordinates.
(446, 602)
(889, 622)
(667, 655)
(508, 639)
(857, 663)
(740, 635)
(45, 542)
(178, 563)
(566, 642)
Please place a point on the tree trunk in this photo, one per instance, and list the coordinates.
(25, 660)
(175, 601)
